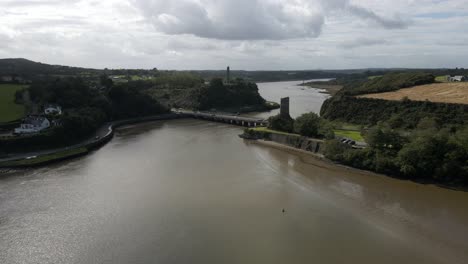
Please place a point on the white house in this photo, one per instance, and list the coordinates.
(53, 110)
(7, 78)
(33, 124)
(458, 78)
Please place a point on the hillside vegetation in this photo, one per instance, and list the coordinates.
(405, 113)
(388, 82)
(193, 93)
(30, 69)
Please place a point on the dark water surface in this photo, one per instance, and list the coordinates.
(189, 191)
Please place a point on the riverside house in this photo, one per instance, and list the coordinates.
(32, 124)
(52, 110)
(457, 78)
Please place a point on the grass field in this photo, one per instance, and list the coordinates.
(456, 93)
(351, 134)
(45, 158)
(9, 111)
(442, 78)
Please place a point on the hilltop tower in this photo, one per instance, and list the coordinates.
(228, 75)
(284, 110)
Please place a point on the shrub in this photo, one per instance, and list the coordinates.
(307, 125)
(281, 123)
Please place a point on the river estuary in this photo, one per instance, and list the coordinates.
(189, 191)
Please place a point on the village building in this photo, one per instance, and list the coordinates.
(6, 79)
(458, 78)
(52, 110)
(33, 124)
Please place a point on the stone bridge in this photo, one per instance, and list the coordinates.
(225, 118)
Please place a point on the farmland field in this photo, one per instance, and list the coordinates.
(9, 110)
(351, 134)
(456, 93)
(441, 78)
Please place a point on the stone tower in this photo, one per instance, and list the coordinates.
(284, 110)
(228, 75)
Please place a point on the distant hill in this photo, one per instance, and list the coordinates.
(28, 69)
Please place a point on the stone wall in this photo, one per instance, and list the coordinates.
(307, 144)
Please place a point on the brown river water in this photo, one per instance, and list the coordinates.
(189, 191)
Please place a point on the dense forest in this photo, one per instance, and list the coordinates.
(403, 114)
(184, 90)
(386, 83)
(428, 153)
(237, 94)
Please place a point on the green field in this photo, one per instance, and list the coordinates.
(441, 79)
(9, 111)
(44, 158)
(351, 134)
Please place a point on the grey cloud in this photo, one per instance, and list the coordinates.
(52, 22)
(178, 44)
(22, 3)
(252, 19)
(232, 20)
(344, 5)
(359, 42)
(388, 23)
(453, 42)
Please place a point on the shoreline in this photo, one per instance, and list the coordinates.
(102, 136)
(329, 164)
(326, 163)
(37, 159)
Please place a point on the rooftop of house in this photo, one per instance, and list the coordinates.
(34, 120)
(52, 106)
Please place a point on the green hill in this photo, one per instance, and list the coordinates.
(27, 69)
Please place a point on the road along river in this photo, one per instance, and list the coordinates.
(189, 191)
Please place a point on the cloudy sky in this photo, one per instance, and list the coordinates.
(245, 34)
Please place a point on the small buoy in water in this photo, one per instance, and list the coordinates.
(284, 210)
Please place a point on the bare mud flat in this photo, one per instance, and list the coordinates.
(455, 93)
